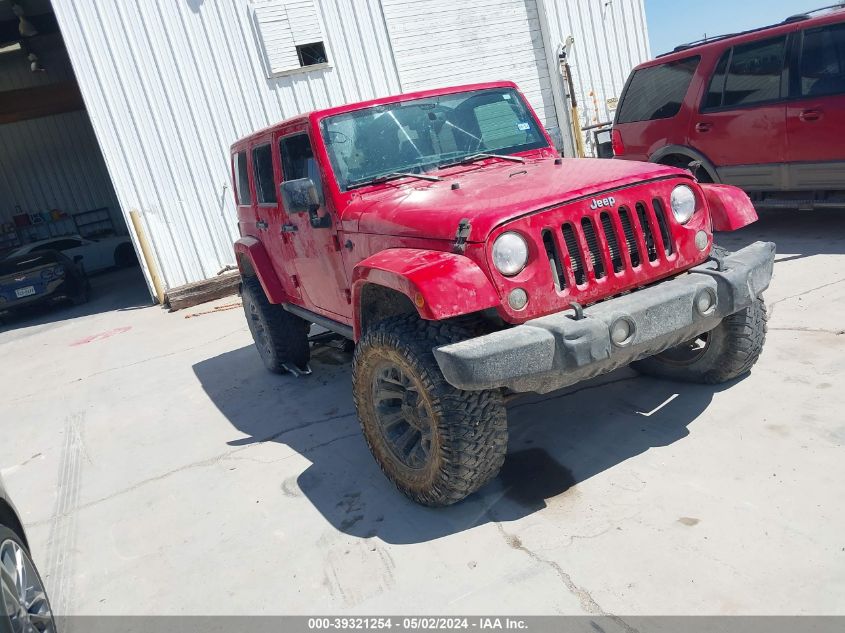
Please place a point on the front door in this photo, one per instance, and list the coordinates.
(815, 119)
(317, 259)
(741, 124)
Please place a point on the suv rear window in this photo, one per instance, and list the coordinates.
(657, 92)
(753, 75)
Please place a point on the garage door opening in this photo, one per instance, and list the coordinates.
(55, 190)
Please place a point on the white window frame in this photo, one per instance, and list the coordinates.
(276, 38)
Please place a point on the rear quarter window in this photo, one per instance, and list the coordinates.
(242, 179)
(657, 92)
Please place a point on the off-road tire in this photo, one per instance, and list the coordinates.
(281, 338)
(469, 433)
(733, 347)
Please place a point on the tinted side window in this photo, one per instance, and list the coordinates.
(242, 178)
(298, 160)
(62, 245)
(755, 73)
(717, 83)
(262, 164)
(657, 92)
(823, 61)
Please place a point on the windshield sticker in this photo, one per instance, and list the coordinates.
(506, 96)
(523, 126)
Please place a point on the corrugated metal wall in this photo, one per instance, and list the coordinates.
(442, 42)
(51, 162)
(54, 163)
(170, 85)
(611, 37)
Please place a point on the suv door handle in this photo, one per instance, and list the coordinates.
(261, 225)
(289, 228)
(703, 127)
(810, 115)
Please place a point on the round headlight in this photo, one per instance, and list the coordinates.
(683, 203)
(510, 253)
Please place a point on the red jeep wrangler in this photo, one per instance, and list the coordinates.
(763, 110)
(441, 232)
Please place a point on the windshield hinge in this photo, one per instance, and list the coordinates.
(462, 235)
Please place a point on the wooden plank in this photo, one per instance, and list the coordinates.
(203, 291)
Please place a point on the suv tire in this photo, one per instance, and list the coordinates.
(728, 351)
(436, 443)
(280, 337)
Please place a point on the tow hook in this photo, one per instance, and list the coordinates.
(461, 236)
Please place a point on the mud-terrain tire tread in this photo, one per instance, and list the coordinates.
(736, 345)
(472, 425)
(287, 333)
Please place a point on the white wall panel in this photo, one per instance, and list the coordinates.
(443, 42)
(170, 85)
(610, 39)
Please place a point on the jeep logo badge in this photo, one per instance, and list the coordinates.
(598, 203)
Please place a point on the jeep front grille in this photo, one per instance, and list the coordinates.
(610, 240)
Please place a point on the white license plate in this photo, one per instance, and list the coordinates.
(25, 292)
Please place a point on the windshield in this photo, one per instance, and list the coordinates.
(423, 134)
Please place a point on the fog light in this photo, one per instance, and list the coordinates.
(701, 240)
(518, 299)
(621, 332)
(705, 302)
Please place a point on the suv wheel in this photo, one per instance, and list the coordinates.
(437, 444)
(280, 337)
(24, 602)
(722, 354)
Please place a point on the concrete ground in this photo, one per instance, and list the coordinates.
(160, 469)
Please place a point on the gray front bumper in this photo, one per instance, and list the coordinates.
(557, 350)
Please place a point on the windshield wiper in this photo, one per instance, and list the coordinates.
(391, 176)
(474, 157)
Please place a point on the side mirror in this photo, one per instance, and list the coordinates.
(301, 196)
(77, 259)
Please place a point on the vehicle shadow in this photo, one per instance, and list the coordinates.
(797, 234)
(556, 442)
(115, 289)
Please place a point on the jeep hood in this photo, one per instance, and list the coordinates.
(488, 194)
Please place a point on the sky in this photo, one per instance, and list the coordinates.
(673, 22)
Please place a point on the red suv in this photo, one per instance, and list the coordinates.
(442, 233)
(763, 110)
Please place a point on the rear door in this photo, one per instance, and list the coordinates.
(815, 118)
(741, 125)
(316, 250)
(269, 217)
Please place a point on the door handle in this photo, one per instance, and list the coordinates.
(261, 225)
(810, 115)
(289, 228)
(703, 127)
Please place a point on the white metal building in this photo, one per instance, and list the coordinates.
(168, 86)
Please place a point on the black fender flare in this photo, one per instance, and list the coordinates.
(706, 164)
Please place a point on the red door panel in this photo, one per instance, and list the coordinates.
(316, 251)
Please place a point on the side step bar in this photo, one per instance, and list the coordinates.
(330, 324)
